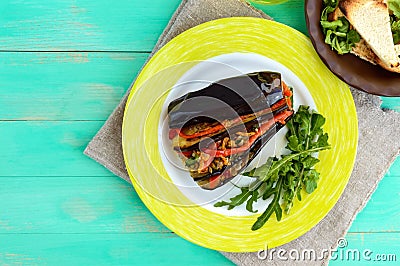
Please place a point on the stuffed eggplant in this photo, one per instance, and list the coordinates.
(217, 131)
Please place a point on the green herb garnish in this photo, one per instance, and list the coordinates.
(341, 37)
(283, 179)
(394, 6)
(395, 27)
(338, 33)
(192, 160)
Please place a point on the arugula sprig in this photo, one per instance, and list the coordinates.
(338, 33)
(395, 27)
(284, 178)
(394, 7)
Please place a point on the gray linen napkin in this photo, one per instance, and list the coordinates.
(379, 143)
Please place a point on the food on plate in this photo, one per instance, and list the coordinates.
(218, 130)
(369, 29)
(283, 179)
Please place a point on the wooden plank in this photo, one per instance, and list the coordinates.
(48, 149)
(354, 249)
(71, 86)
(33, 149)
(46, 143)
(166, 249)
(371, 249)
(394, 170)
(107, 204)
(82, 205)
(54, 214)
(101, 26)
(83, 25)
(382, 212)
(104, 249)
(391, 103)
(64, 86)
(57, 146)
(280, 13)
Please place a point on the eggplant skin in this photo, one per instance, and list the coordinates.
(244, 94)
(262, 95)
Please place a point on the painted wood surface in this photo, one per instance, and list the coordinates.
(95, 84)
(84, 25)
(64, 65)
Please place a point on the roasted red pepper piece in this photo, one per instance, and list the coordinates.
(281, 117)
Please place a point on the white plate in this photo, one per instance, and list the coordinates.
(200, 76)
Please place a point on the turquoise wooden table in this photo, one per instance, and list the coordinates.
(64, 65)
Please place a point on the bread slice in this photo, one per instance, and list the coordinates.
(393, 69)
(397, 49)
(371, 20)
(363, 51)
(335, 15)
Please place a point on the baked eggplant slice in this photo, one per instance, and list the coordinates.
(245, 94)
(216, 143)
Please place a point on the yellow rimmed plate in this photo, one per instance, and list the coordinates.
(141, 136)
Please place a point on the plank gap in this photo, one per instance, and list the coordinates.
(93, 233)
(74, 51)
(53, 120)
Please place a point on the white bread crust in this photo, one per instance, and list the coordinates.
(371, 20)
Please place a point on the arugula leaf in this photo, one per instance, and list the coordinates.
(237, 200)
(353, 37)
(270, 170)
(317, 121)
(395, 27)
(262, 170)
(394, 6)
(338, 33)
(331, 25)
(340, 36)
(273, 207)
(284, 178)
(293, 143)
(291, 186)
(330, 6)
(250, 202)
(309, 162)
(345, 27)
(311, 177)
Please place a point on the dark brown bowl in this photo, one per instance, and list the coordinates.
(354, 71)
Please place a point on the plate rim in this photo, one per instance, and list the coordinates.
(131, 95)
